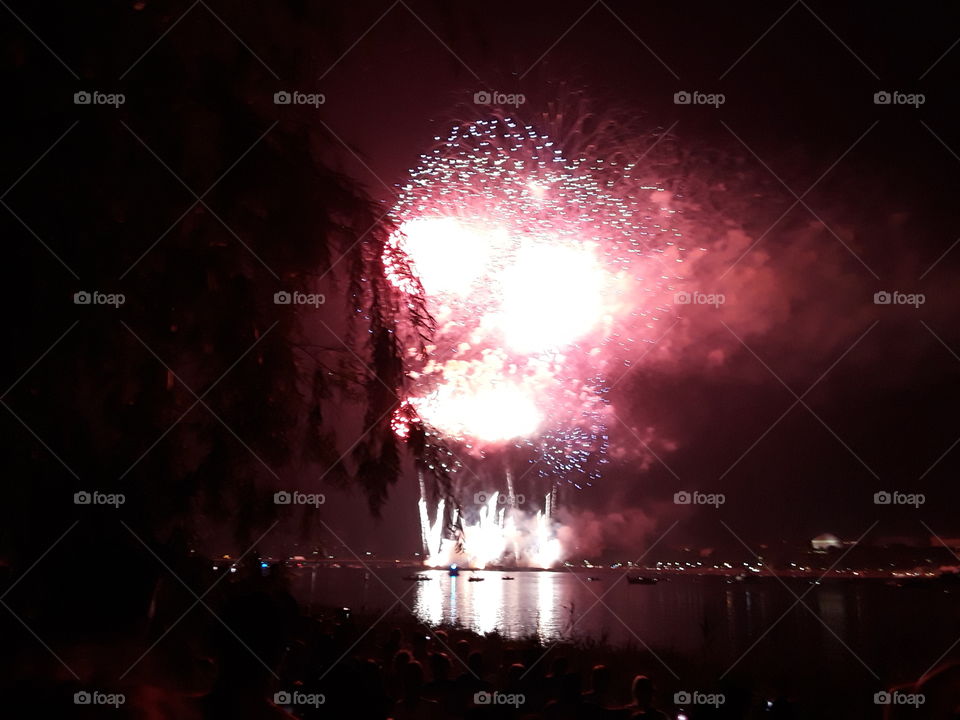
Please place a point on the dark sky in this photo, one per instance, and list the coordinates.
(799, 82)
(807, 197)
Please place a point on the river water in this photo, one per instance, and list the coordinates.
(865, 629)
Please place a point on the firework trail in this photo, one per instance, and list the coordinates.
(541, 278)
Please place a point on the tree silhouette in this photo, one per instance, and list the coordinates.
(198, 199)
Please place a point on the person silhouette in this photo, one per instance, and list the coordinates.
(642, 705)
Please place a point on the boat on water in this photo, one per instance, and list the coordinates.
(415, 578)
(509, 577)
(642, 580)
(475, 579)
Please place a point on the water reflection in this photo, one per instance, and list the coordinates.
(547, 601)
(487, 602)
(493, 604)
(686, 615)
(453, 616)
(428, 606)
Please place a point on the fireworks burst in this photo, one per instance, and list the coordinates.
(540, 277)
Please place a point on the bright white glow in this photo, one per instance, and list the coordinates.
(485, 541)
(487, 601)
(432, 534)
(533, 299)
(492, 413)
(429, 602)
(447, 254)
(539, 192)
(533, 259)
(497, 533)
(547, 605)
(548, 549)
(552, 296)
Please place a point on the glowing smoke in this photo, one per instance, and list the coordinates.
(540, 279)
(496, 534)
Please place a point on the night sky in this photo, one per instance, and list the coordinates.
(878, 215)
(798, 399)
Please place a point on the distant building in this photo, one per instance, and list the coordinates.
(822, 543)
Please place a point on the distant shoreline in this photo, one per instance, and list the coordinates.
(898, 576)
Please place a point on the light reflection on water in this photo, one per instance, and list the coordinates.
(692, 616)
(487, 606)
(547, 605)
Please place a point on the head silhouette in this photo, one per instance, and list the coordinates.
(642, 690)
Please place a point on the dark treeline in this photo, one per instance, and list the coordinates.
(196, 199)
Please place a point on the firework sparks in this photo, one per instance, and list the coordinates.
(539, 277)
(497, 532)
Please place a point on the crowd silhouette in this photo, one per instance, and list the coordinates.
(258, 654)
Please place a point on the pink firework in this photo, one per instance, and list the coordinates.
(539, 277)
